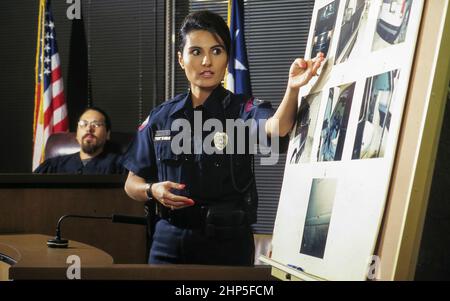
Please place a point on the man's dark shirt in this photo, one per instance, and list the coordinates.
(104, 163)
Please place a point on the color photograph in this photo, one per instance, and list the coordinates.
(352, 38)
(318, 216)
(375, 116)
(334, 127)
(305, 128)
(325, 28)
(392, 23)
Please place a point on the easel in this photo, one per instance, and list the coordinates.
(400, 234)
(283, 272)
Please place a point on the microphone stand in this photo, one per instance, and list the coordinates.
(58, 242)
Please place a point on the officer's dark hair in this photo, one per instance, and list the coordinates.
(204, 20)
(101, 111)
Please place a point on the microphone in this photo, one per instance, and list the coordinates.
(58, 242)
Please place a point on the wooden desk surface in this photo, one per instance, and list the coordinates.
(149, 272)
(37, 210)
(30, 250)
(34, 260)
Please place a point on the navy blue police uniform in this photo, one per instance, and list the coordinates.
(216, 230)
(104, 163)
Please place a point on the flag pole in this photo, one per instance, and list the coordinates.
(228, 23)
(38, 70)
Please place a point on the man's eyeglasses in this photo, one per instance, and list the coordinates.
(95, 124)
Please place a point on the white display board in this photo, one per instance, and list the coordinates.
(342, 148)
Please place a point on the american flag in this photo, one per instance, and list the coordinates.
(238, 77)
(50, 111)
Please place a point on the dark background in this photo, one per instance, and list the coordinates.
(110, 58)
(434, 259)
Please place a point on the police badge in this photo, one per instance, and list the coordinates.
(220, 140)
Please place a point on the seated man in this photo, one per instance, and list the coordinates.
(94, 129)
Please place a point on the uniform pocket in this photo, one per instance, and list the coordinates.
(169, 163)
(164, 152)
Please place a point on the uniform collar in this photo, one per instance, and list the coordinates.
(181, 104)
(216, 102)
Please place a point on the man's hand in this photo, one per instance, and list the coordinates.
(162, 193)
(302, 71)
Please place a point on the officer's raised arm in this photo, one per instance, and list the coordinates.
(300, 73)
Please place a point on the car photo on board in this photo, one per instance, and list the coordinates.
(375, 116)
(324, 29)
(305, 128)
(354, 19)
(392, 23)
(334, 127)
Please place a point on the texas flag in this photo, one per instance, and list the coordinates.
(238, 77)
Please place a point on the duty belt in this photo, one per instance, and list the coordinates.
(217, 222)
(192, 217)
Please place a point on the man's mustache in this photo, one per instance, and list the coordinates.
(92, 135)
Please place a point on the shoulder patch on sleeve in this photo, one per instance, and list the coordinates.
(253, 102)
(144, 124)
(249, 104)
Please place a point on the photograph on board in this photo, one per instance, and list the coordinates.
(392, 23)
(318, 216)
(334, 127)
(375, 116)
(352, 38)
(305, 128)
(324, 28)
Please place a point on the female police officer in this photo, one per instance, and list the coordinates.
(202, 198)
